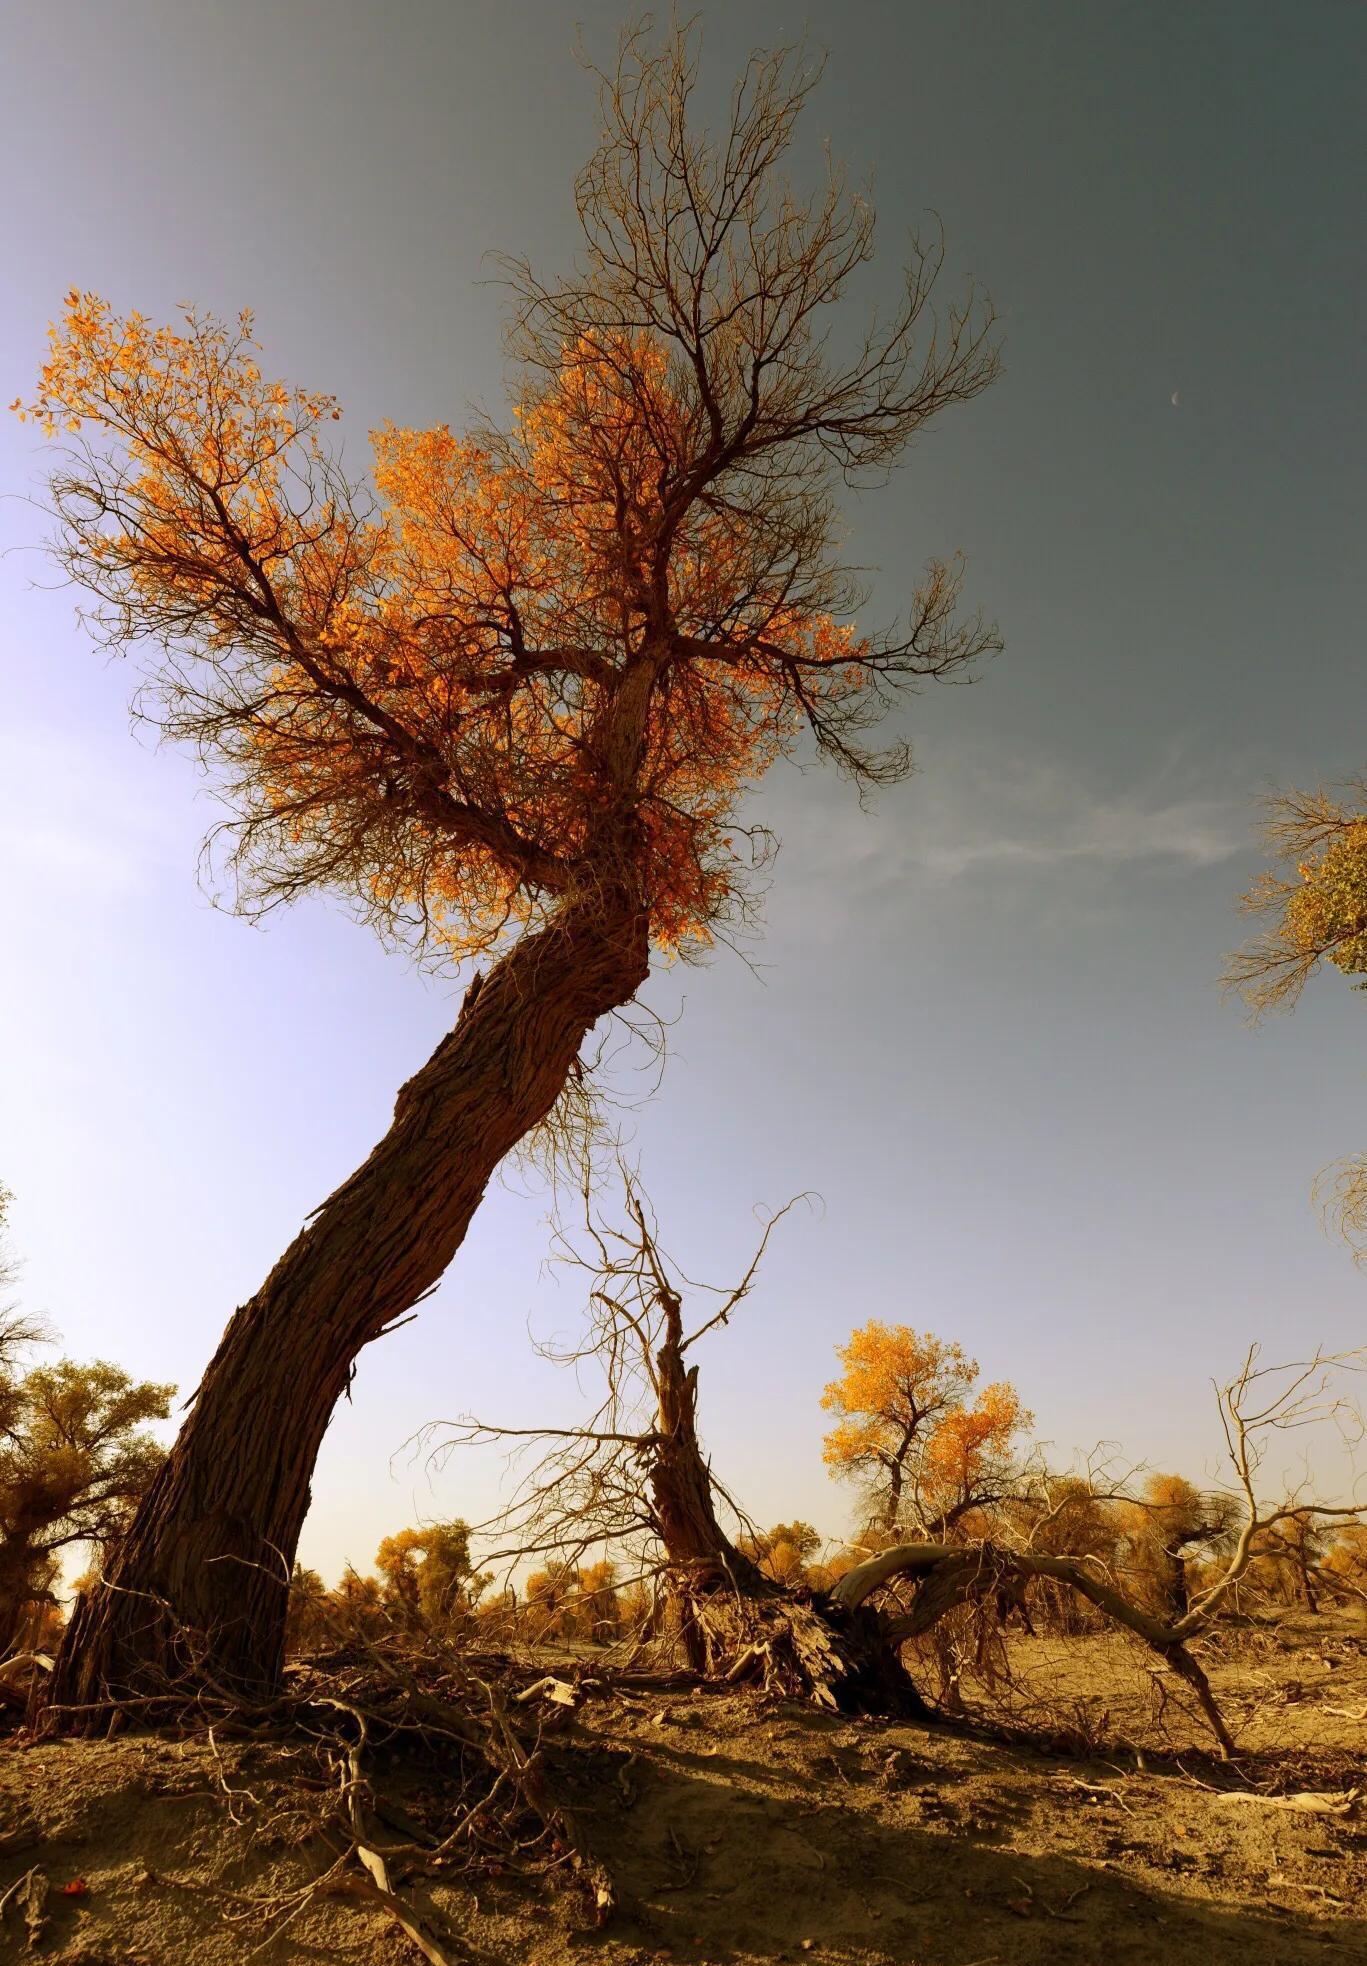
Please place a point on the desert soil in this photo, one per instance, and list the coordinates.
(738, 1831)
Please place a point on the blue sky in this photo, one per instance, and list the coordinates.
(983, 1020)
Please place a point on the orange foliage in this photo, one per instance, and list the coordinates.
(541, 663)
(906, 1427)
(415, 698)
(569, 1601)
(966, 1443)
(895, 1380)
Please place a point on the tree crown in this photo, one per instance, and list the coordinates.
(907, 1429)
(539, 656)
(1314, 901)
(895, 1383)
(73, 1456)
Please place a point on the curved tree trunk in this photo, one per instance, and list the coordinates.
(196, 1593)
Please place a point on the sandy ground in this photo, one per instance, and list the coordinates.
(739, 1832)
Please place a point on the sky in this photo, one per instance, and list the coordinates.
(983, 1020)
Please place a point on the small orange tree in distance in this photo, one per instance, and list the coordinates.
(506, 702)
(907, 1433)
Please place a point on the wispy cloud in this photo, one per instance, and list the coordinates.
(1036, 820)
(969, 819)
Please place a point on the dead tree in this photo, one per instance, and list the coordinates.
(1259, 1405)
(637, 1475)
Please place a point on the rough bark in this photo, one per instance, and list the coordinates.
(196, 1593)
(680, 1481)
(892, 1508)
(702, 1560)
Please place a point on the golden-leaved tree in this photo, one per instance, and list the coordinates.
(429, 1580)
(908, 1433)
(1313, 901)
(1171, 1524)
(74, 1462)
(507, 701)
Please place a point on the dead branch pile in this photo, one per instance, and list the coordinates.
(413, 1762)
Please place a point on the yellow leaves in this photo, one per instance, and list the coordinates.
(850, 1442)
(1317, 915)
(1327, 915)
(902, 1399)
(894, 1372)
(966, 1437)
(487, 610)
(159, 390)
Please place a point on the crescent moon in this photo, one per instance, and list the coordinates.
(1175, 394)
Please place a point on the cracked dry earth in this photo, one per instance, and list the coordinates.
(739, 1832)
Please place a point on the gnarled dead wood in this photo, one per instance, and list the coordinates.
(947, 1575)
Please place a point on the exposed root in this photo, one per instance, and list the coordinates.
(366, 1717)
(797, 1646)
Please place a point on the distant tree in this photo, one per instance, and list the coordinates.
(895, 1385)
(569, 1601)
(1170, 1526)
(798, 1535)
(1343, 1570)
(510, 705)
(71, 1463)
(397, 1562)
(551, 1611)
(1313, 900)
(308, 1624)
(1289, 1562)
(969, 1466)
(74, 1464)
(1062, 1515)
(355, 1606)
(783, 1552)
(599, 1601)
(449, 1584)
(428, 1579)
(907, 1433)
(635, 1608)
